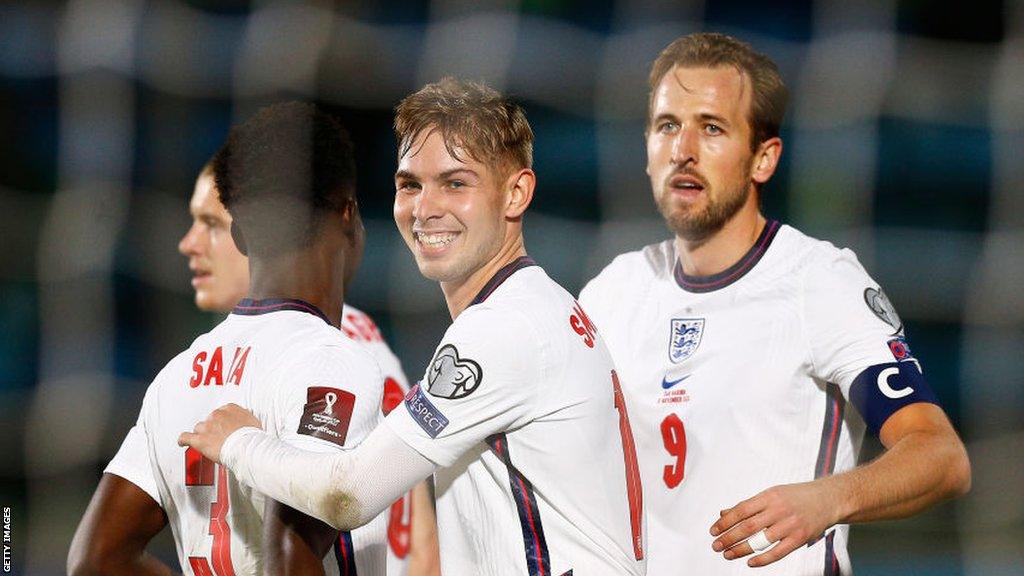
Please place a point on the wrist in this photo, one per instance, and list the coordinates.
(234, 445)
(844, 499)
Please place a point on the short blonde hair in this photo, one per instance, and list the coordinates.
(472, 117)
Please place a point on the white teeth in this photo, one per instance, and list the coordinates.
(435, 240)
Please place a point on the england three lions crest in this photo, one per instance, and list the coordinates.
(684, 338)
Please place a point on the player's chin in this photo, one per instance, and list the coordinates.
(434, 269)
(204, 301)
(212, 301)
(446, 269)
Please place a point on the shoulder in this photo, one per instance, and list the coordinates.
(809, 260)
(331, 349)
(359, 326)
(498, 319)
(653, 260)
(823, 263)
(316, 351)
(619, 281)
(650, 262)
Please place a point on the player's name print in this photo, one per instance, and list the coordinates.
(581, 324)
(208, 367)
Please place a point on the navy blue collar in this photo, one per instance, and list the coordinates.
(502, 275)
(250, 307)
(732, 273)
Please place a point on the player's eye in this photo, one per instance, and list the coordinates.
(668, 127)
(713, 129)
(407, 186)
(456, 184)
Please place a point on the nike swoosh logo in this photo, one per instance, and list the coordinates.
(666, 383)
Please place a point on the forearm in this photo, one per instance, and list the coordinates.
(918, 471)
(345, 490)
(116, 528)
(424, 559)
(140, 564)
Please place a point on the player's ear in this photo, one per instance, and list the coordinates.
(766, 160)
(353, 222)
(520, 187)
(239, 239)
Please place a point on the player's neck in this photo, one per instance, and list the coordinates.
(459, 295)
(724, 248)
(306, 276)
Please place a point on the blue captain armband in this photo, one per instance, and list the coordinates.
(881, 390)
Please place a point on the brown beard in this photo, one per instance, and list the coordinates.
(702, 225)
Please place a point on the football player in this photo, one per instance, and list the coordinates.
(519, 414)
(754, 357)
(221, 279)
(288, 176)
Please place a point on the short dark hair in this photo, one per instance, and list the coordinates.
(712, 50)
(470, 115)
(281, 171)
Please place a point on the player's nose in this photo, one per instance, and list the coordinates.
(190, 243)
(429, 203)
(684, 146)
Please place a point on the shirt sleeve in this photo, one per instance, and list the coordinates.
(857, 341)
(327, 399)
(849, 320)
(132, 461)
(483, 379)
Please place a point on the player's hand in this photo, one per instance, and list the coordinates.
(209, 435)
(791, 516)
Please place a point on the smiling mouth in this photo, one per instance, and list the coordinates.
(435, 239)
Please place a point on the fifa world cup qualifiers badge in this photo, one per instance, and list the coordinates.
(327, 414)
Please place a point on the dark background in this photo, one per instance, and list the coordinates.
(902, 142)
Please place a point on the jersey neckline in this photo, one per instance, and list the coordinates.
(701, 284)
(502, 275)
(251, 307)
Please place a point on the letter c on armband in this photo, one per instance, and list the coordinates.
(883, 384)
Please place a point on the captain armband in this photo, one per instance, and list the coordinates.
(881, 390)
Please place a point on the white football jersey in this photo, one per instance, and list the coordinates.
(307, 383)
(358, 326)
(739, 381)
(520, 409)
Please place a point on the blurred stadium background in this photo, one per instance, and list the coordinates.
(903, 142)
